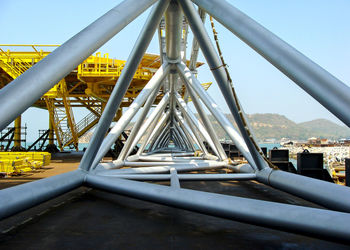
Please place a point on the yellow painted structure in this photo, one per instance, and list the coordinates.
(88, 86)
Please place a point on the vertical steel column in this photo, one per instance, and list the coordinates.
(333, 94)
(214, 63)
(123, 82)
(45, 74)
(17, 134)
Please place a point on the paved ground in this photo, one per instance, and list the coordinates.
(91, 219)
(60, 164)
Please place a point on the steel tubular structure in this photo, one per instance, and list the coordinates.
(173, 140)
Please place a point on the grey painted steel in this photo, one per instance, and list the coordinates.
(45, 74)
(154, 133)
(242, 168)
(174, 179)
(173, 24)
(206, 123)
(319, 83)
(161, 136)
(327, 194)
(124, 121)
(220, 76)
(123, 83)
(186, 177)
(191, 117)
(155, 113)
(241, 209)
(195, 45)
(188, 131)
(18, 198)
(161, 169)
(196, 132)
(183, 137)
(138, 123)
(193, 82)
(151, 129)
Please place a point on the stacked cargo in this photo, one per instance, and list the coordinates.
(14, 163)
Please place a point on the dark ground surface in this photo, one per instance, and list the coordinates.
(93, 219)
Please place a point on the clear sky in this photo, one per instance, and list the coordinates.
(318, 28)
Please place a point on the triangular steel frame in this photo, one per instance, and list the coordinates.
(173, 136)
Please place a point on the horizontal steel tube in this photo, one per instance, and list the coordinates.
(37, 80)
(160, 169)
(319, 83)
(21, 197)
(185, 177)
(167, 159)
(327, 194)
(166, 163)
(309, 221)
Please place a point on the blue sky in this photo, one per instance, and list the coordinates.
(318, 28)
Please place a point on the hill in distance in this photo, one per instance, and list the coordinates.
(278, 126)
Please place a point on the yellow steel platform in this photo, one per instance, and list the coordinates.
(88, 86)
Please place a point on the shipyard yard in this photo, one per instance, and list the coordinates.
(67, 221)
(132, 133)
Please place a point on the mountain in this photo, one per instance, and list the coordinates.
(277, 126)
(267, 126)
(326, 129)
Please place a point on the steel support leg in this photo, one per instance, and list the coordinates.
(123, 83)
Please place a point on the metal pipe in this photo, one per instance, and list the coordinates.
(161, 169)
(196, 133)
(200, 128)
(156, 112)
(45, 74)
(18, 198)
(150, 131)
(124, 121)
(207, 123)
(185, 177)
(174, 179)
(327, 194)
(123, 83)
(160, 137)
(187, 130)
(173, 24)
(220, 76)
(154, 133)
(138, 123)
(192, 81)
(269, 214)
(333, 94)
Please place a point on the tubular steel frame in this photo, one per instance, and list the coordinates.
(173, 132)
